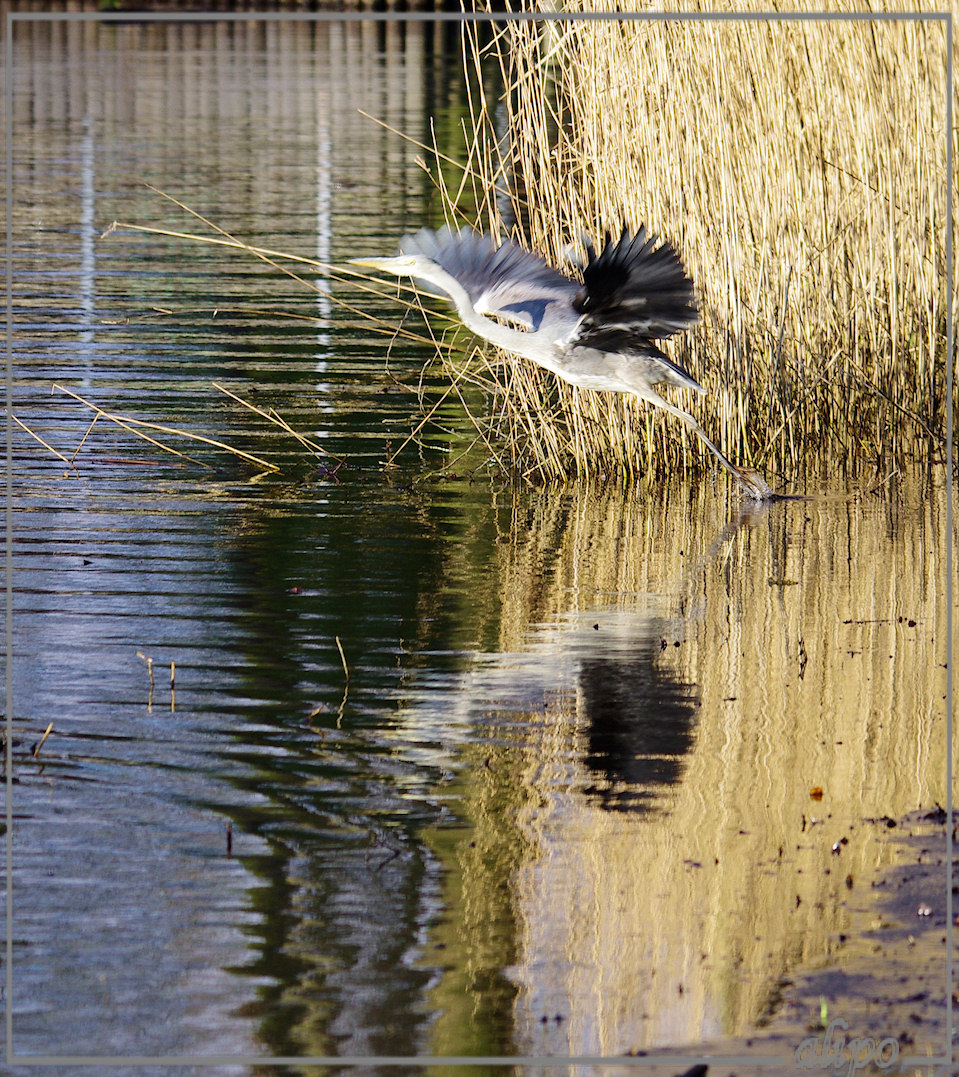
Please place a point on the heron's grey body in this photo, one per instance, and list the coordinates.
(597, 333)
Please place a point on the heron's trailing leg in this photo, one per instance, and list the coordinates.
(751, 481)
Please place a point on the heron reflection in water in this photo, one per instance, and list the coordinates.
(597, 334)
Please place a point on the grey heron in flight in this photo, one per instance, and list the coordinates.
(597, 333)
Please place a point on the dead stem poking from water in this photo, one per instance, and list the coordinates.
(42, 741)
(149, 661)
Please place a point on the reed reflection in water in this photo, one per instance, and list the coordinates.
(789, 665)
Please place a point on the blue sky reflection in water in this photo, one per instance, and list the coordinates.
(543, 813)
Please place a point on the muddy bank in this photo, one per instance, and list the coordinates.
(878, 1004)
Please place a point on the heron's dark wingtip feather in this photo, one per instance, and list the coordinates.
(632, 282)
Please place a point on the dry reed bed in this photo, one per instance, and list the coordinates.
(799, 167)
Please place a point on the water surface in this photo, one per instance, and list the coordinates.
(446, 765)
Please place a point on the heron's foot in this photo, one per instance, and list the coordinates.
(754, 484)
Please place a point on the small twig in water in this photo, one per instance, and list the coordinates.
(36, 750)
(879, 485)
(346, 668)
(129, 423)
(278, 420)
(346, 686)
(149, 662)
(36, 437)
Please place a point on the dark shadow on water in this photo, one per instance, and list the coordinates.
(642, 723)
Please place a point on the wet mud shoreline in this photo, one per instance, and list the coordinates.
(878, 1003)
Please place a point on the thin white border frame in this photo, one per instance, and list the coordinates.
(945, 17)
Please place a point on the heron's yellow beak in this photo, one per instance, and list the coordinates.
(399, 266)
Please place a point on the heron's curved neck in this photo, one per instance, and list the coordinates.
(503, 336)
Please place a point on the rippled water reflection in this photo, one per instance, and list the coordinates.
(561, 802)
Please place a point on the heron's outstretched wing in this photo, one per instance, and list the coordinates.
(632, 292)
(505, 281)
